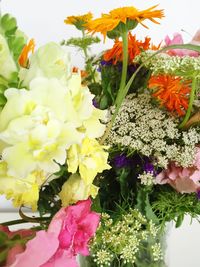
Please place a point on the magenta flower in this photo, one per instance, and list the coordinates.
(68, 235)
(177, 39)
(184, 180)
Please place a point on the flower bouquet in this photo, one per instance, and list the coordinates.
(107, 155)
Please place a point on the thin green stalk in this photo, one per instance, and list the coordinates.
(20, 221)
(191, 101)
(124, 65)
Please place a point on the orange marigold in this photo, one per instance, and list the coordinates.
(23, 58)
(110, 21)
(134, 48)
(80, 20)
(172, 92)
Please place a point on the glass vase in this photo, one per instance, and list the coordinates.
(144, 256)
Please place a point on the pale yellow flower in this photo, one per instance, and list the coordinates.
(82, 109)
(34, 128)
(90, 157)
(50, 61)
(21, 191)
(75, 189)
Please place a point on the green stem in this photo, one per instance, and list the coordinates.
(192, 97)
(124, 65)
(20, 221)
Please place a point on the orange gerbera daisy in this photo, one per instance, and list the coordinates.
(79, 20)
(110, 21)
(134, 48)
(23, 58)
(172, 92)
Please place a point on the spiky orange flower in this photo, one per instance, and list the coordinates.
(134, 48)
(23, 58)
(110, 21)
(79, 20)
(172, 92)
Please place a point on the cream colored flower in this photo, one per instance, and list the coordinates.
(90, 157)
(75, 189)
(7, 64)
(82, 109)
(21, 191)
(34, 129)
(50, 61)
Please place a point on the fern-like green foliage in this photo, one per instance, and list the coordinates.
(82, 42)
(170, 205)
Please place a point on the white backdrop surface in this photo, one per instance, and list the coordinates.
(43, 21)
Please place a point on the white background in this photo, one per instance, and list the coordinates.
(43, 21)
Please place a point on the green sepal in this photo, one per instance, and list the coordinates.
(121, 27)
(3, 239)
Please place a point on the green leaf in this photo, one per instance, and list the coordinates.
(3, 255)
(179, 220)
(149, 211)
(8, 23)
(3, 238)
(104, 102)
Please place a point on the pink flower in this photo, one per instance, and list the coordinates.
(177, 39)
(184, 180)
(68, 235)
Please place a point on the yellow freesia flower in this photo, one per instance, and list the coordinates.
(90, 157)
(21, 191)
(75, 189)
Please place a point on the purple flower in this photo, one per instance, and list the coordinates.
(198, 194)
(106, 63)
(121, 161)
(148, 167)
(95, 104)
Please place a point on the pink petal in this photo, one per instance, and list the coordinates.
(81, 209)
(38, 250)
(61, 259)
(13, 252)
(57, 222)
(90, 223)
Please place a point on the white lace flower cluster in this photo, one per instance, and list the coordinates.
(124, 238)
(142, 127)
(173, 65)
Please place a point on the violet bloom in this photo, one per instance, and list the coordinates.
(121, 161)
(148, 167)
(95, 104)
(198, 194)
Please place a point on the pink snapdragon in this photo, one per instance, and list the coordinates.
(184, 180)
(68, 235)
(177, 39)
